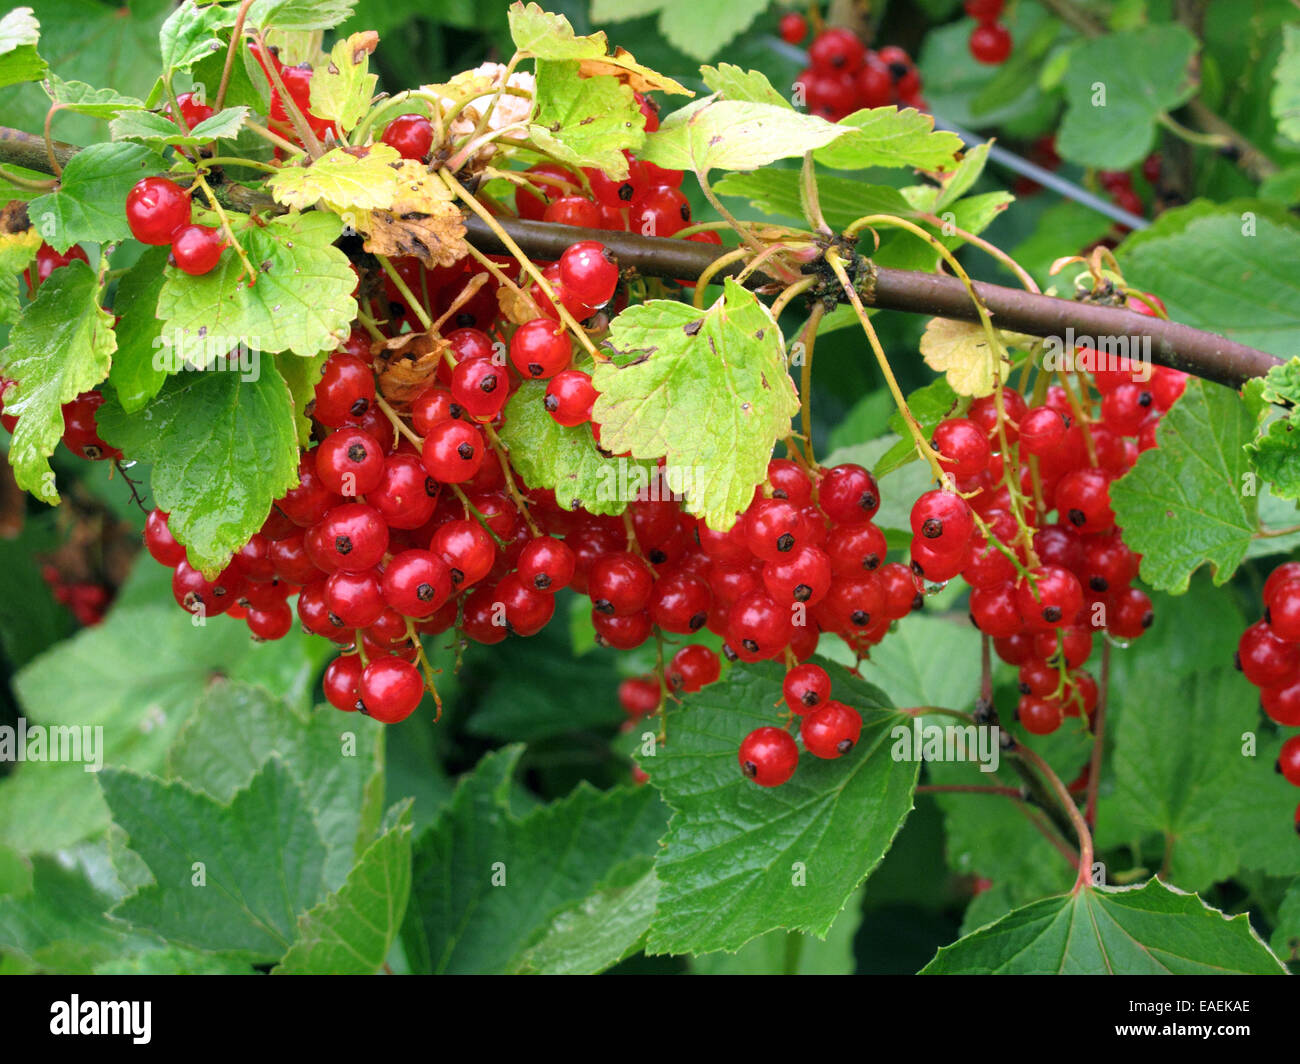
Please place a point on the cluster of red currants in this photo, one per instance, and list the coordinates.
(844, 75)
(158, 212)
(1041, 586)
(1269, 656)
(990, 41)
(87, 601)
(827, 728)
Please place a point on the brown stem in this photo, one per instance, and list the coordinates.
(1181, 347)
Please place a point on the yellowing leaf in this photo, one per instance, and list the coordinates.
(422, 219)
(341, 180)
(961, 350)
(546, 36)
(341, 90)
(623, 65)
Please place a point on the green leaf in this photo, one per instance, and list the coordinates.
(1178, 755)
(842, 200)
(62, 346)
(88, 203)
(19, 34)
(963, 178)
(336, 759)
(301, 375)
(1115, 89)
(1286, 935)
(87, 100)
(222, 450)
(1183, 504)
(1063, 224)
(736, 83)
(487, 884)
(17, 250)
(341, 90)
(886, 136)
(1285, 99)
(930, 404)
(1259, 813)
(137, 373)
(683, 371)
(1225, 272)
(1148, 930)
(701, 31)
(290, 15)
(230, 878)
(740, 860)
(191, 33)
(600, 930)
(350, 932)
(159, 131)
(546, 36)
(301, 300)
(546, 454)
(770, 954)
(137, 676)
(586, 121)
(59, 925)
(734, 135)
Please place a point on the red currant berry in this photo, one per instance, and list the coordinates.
(793, 27)
(410, 135)
(346, 389)
(768, 756)
(197, 249)
(155, 209)
(453, 451)
(352, 537)
(1049, 597)
(943, 520)
(620, 584)
(806, 687)
(848, 494)
(1039, 716)
(589, 271)
(1130, 613)
(831, 731)
(390, 689)
(639, 696)
(693, 667)
(350, 462)
(990, 42)
(540, 348)
(342, 682)
(160, 543)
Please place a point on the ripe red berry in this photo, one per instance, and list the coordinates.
(990, 42)
(1265, 659)
(768, 756)
(1039, 716)
(994, 611)
(342, 682)
(848, 494)
(659, 211)
(467, 549)
(620, 584)
(160, 543)
(453, 451)
(621, 633)
(416, 583)
(410, 135)
(831, 731)
(590, 272)
(480, 388)
(390, 689)
(352, 537)
(983, 10)
(546, 564)
(346, 389)
(1083, 498)
(1288, 761)
(693, 667)
(155, 209)
(1041, 430)
(963, 447)
(81, 428)
(639, 696)
(806, 687)
(197, 249)
(1130, 613)
(758, 627)
(837, 49)
(1048, 597)
(569, 397)
(803, 575)
(540, 348)
(793, 27)
(355, 599)
(350, 462)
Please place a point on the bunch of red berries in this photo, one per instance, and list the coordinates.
(86, 600)
(158, 212)
(1025, 520)
(844, 75)
(990, 41)
(1269, 656)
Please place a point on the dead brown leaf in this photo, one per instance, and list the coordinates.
(407, 364)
